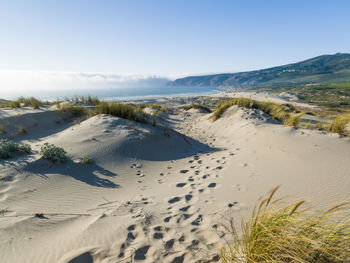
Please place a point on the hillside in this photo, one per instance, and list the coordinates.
(321, 69)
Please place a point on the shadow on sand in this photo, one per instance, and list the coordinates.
(88, 173)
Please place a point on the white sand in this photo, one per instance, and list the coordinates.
(154, 194)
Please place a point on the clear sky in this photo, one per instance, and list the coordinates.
(168, 37)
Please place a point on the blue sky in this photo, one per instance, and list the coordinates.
(168, 37)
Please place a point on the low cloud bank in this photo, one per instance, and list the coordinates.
(51, 85)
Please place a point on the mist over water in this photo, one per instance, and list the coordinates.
(59, 85)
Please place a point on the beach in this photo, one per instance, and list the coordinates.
(155, 192)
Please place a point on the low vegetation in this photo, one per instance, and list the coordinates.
(332, 95)
(290, 233)
(8, 147)
(53, 153)
(197, 106)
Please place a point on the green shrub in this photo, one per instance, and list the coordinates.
(86, 160)
(340, 123)
(53, 153)
(7, 147)
(288, 233)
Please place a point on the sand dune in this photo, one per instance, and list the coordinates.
(155, 194)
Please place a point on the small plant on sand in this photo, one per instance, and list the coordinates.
(290, 233)
(7, 147)
(21, 129)
(340, 123)
(53, 153)
(86, 160)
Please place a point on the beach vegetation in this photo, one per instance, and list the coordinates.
(86, 160)
(8, 147)
(290, 232)
(53, 153)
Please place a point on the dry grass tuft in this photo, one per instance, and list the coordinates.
(290, 233)
(340, 123)
(197, 106)
(293, 120)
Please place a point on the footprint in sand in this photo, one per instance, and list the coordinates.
(180, 185)
(140, 253)
(174, 200)
(184, 171)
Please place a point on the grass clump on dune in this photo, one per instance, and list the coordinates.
(74, 110)
(340, 123)
(125, 111)
(8, 147)
(293, 120)
(276, 111)
(197, 106)
(26, 102)
(290, 233)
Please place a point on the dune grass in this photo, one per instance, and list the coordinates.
(276, 111)
(73, 110)
(197, 106)
(121, 110)
(27, 102)
(293, 120)
(291, 233)
(340, 123)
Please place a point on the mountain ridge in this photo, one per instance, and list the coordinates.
(320, 69)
